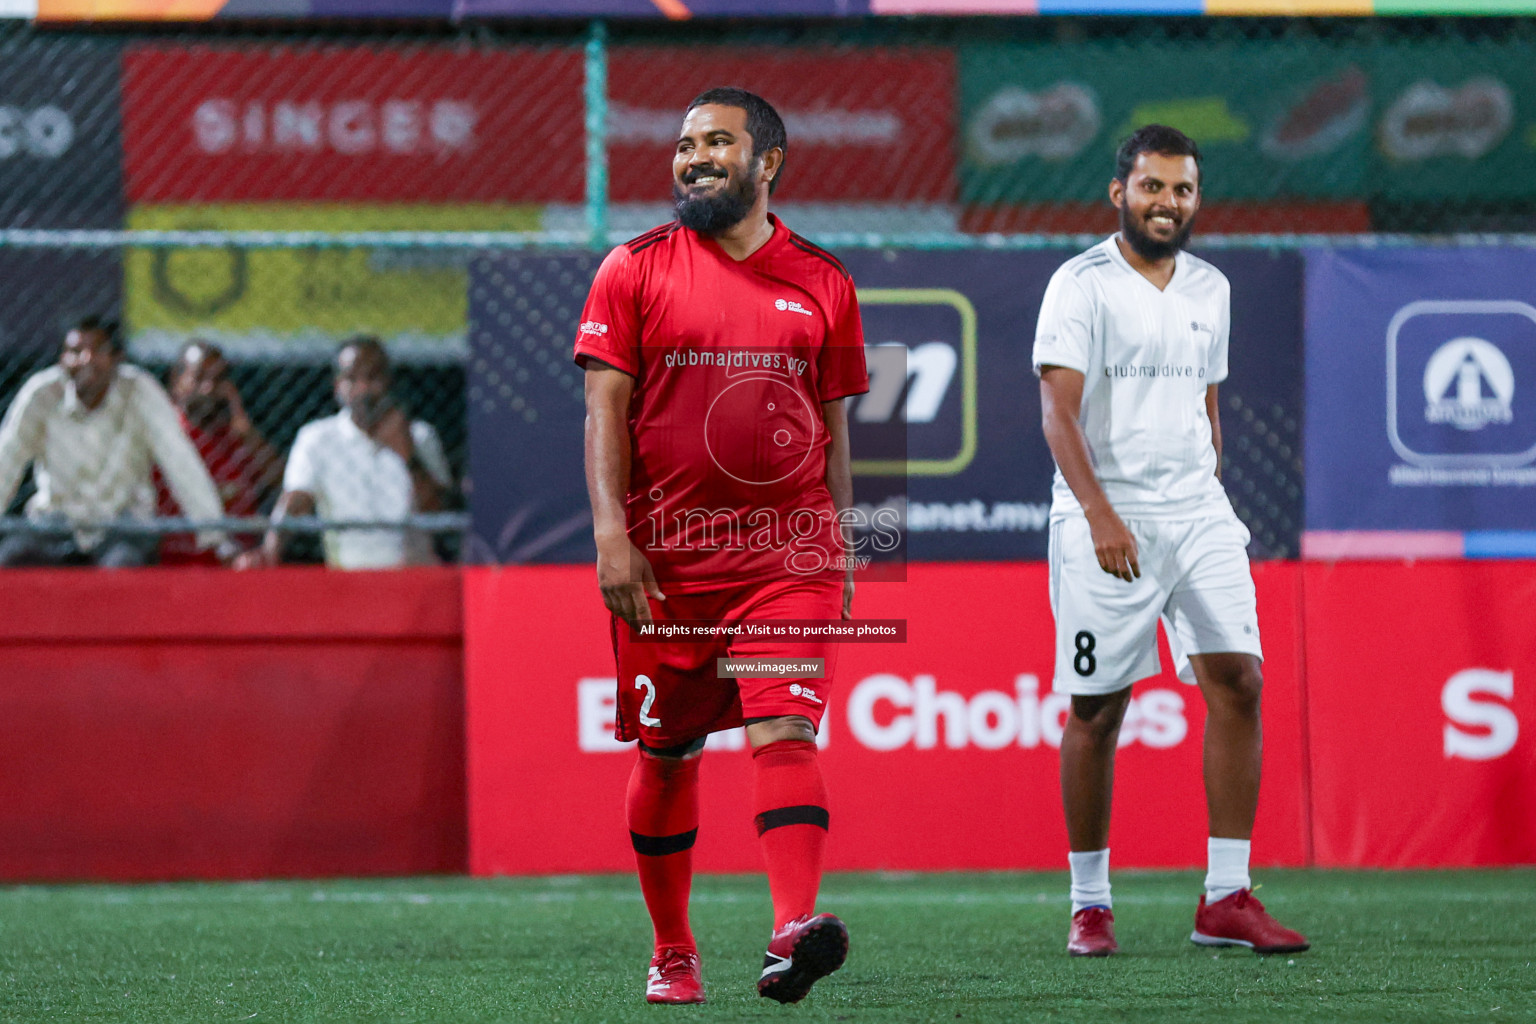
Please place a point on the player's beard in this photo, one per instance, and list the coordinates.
(716, 212)
(1149, 248)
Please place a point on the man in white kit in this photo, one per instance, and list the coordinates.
(1130, 348)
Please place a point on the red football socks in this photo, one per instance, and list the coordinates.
(790, 799)
(662, 806)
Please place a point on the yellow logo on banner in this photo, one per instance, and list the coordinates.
(1207, 118)
(297, 303)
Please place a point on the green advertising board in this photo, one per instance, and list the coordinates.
(1275, 119)
(1455, 122)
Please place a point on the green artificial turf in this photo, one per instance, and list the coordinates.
(1425, 946)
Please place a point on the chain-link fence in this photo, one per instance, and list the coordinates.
(271, 196)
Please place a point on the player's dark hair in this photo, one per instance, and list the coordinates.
(103, 325)
(763, 122)
(1154, 138)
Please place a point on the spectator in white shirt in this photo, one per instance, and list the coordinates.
(369, 462)
(93, 429)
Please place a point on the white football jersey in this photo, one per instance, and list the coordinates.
(1146, 357)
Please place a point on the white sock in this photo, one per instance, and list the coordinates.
(1227, 870)
(1090, 879)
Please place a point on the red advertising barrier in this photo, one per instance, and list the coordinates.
(1419, 679)
(940, 753)
(866, 125)
(188, 723)
(353, 123)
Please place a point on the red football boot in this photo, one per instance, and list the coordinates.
(674, 977)
(1241, 920)
(799, 954)
(1092, 933)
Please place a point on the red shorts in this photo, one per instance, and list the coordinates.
(669, 693)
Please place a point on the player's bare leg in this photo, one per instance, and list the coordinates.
(1229, 915)
(662, 806)
(1088, 746)
(1232, 685)
(790, 804)
(1088, 766)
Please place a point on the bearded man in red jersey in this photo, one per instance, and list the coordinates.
(718, 350)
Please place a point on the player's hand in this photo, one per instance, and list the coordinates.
(1114, 545)
(628, 584)
(847, 599)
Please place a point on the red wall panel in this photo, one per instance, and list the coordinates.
(199, 723)
(940, 753)
(1421, 702)
(192, 723)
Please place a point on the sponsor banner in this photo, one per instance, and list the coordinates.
(1275, 119)
(1421, 390)
(948, 436)
(60, 137)
(864, 125)
(673, 9)
(298, 303)
(1040, 123)
(46, 289)
(355, 123)
(940, 753)
(196, 10)
(1421, 710)
(1453, 120)
(961, 7)
(128, 10)
(202, 10)
(60, 154)
(356, 8)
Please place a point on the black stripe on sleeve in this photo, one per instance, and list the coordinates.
(644, 242)
(811, 249)
(660, 846)
(802, 814)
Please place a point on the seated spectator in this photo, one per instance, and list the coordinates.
(368, 462)
(244, 467)
(94, 428)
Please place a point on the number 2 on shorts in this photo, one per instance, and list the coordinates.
(1083, 662)
(644, 683)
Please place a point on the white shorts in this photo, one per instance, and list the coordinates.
(1194, 576)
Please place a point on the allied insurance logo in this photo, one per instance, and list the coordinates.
(1469, 384)
(1461, 383)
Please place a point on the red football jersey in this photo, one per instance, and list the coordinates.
(731, 361)
(237, 472)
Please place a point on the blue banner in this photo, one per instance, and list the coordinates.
(949, 434)
(1421, 395)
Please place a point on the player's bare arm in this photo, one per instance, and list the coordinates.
(1061, 399)
(834, 415)
(623, 574)
(1213, 413)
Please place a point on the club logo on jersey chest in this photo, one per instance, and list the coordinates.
(790, 306)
